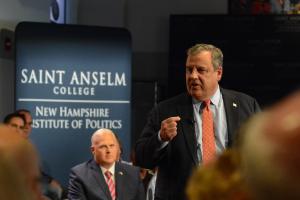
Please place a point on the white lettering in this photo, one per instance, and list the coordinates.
(45, 111)
(98, 78)
(73, 91)
(42, 76)
(96, 124)
(51, 123)
(120, 80)
(83, 112)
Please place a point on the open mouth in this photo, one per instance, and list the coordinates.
(195, 85)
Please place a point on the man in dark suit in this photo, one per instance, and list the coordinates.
(103, 178)
(173, 138)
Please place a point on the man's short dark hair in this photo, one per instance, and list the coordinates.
(8, 117)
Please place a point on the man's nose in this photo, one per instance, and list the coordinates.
(194, 73)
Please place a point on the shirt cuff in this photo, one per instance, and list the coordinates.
(163, 144)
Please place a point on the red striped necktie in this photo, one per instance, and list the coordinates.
(110, 184)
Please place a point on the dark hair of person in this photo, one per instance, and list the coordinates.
(8, 117)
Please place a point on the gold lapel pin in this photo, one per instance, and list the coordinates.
(234, 105)
(121, 173)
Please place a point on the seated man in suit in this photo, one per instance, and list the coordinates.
(103, 178)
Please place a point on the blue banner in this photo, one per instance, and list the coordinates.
(74, 80)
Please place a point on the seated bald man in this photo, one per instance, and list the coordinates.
(103, 178)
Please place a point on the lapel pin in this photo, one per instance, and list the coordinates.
(234, 105)
(121, 173)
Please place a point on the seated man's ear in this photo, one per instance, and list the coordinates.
(92, 148)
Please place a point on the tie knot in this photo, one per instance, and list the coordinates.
(206, 103)
(108, 174)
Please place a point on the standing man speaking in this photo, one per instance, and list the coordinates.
(192, 128)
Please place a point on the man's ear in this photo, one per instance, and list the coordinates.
(92, 148)
(219, 73)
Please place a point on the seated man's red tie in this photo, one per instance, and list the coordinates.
(111, 184)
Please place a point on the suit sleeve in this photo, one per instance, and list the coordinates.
(256, 106)
(148, 149)
(141, 190)
(75, 189)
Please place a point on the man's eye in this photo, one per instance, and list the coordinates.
(202, 70)
(189, 70)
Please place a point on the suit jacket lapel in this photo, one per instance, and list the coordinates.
(186, 112)
(232, 115)
(99, 178)
(120, 181)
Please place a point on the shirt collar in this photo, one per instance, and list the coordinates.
(215, 99)
(111, 169)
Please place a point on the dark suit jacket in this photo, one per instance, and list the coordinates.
(179, 157)
(88, 183)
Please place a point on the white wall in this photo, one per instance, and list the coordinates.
(14, 11)
(148, 21)
(101, 12)
(11, 13)
(6, 87)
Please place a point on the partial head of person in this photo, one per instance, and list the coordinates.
(15, 121)
(105, 147)
(12, 183)
(219, 180)
(24, 158)
(204, 69)
(270, 151)
(28, 121)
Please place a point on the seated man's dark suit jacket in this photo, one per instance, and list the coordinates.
(88, 183)
(179, 157)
